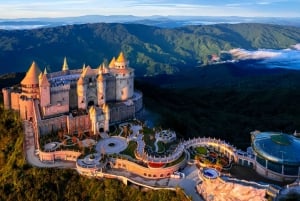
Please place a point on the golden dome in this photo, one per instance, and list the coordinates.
(32, 75)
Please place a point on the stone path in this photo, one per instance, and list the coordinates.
(112, 145)
(30, 151)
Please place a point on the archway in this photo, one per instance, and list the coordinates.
(101, 130)
(90, 103)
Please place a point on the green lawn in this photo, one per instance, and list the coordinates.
(201, 150)
(130, 149)
(161, 146)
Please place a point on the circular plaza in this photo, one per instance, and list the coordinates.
(111, 145)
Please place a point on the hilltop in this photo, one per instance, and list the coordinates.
(151, 50)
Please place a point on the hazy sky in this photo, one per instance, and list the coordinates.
(63, 8)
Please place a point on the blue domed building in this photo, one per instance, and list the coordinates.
(277, 155)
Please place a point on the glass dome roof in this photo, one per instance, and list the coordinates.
(277, 147)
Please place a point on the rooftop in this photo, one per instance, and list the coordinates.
(32, 75)
(277, 147)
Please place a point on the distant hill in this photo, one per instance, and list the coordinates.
(151, 50)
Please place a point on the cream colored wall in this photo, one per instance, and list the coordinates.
(6, 98)
(47, 125)
(59, 155)
(150, 173)
(123, 89)
(81, 123)
(15, 101)
(55, 109)
(81, 93)
(44, 96)
(101, 95)
(26, 108)
(60, 95)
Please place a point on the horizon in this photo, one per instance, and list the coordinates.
(145, 8)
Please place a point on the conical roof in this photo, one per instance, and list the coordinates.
(88, 71)
(32, 75)
(112, 63)
(65, 65)
(121, 58)
(80, 81)
(44, 81)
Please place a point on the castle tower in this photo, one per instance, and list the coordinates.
(30, 91)
(93, 118)
(101, 87)
(81, 93)
(44, 89)
(65, 66)
(124, 78)
(6, 97)
(30, 83)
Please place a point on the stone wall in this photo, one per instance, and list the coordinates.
(59, 155)
(15, 104)
(150, 173)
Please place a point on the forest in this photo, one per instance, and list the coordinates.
(151, 50)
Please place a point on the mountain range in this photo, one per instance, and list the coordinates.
(151, 50)
(156, 20)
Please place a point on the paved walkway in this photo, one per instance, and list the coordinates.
(112, 145)
(188, 184)
(30, 155)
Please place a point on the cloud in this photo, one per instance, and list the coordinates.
(285, 58)
(243, 54)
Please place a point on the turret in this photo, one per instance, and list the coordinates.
(65, 66)
(30, 83)
(124, 78)
(81, 93)
(101, 87)
(6, 98)
(44, 89)
(121, 62)
(106, 111)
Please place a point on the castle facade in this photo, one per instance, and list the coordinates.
(78, 100)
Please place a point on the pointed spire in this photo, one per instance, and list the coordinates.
(100, 69)
(45, 71)
(65, 65)
(83, 66)
(41, 75)
(121, 58)
(112, 63)
(44, 80)
(32, 75)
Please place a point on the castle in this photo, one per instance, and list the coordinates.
(81, 100)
